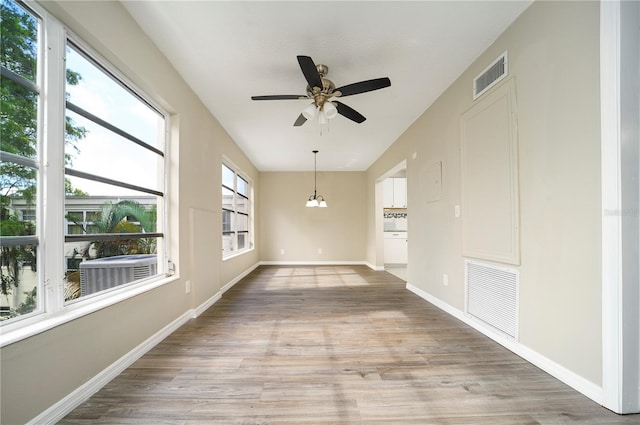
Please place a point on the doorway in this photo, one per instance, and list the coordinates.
(392, 218)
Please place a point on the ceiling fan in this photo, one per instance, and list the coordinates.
(323, 93)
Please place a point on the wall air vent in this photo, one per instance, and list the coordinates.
(492, 295)
(490, 76)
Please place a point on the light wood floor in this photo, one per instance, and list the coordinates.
(333, 345)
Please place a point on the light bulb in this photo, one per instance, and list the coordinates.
(330, 110)
(309, 112)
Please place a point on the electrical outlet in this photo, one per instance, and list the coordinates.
(415, 155)
(319, 250)
(282, 251)
(187, 287)
(445, 279)
(456, 211)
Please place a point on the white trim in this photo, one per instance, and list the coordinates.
(374, 267)
(205, 305)
(611, 201)
(314, 263)
(238, 278)
(214, 299)
(63, 407)
(577, 382)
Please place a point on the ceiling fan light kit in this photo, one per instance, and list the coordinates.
(323, 93)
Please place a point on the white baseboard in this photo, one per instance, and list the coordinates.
(575, 381)
(313, 263)
(374, 267)
(62, 408)
(238, 278)
(205, 305)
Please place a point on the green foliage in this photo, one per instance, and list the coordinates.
(119, 218)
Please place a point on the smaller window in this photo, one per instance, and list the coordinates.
(28, 215)
(236, 209)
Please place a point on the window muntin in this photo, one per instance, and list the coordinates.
(235, 212)
(20, 125)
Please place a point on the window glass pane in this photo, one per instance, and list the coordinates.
(19, 40)
(75, 229)
(227, 221)
(103, 153)
(107, 99)
(227, 198)
(227, 176)
(113, 214)
(74, 216)
(93, 216)
(101, 274)
(17, 195)
(242, 223)
(18, 134)
(227, 243)
(28, 215)
(242, 240)
(243, 185)
(19, 281)
(242, 204)
(105, 264)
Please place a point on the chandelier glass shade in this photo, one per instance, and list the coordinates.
(315, 200)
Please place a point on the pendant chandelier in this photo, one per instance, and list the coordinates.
(315, 200)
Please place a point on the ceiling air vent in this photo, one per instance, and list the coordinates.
(490, 76)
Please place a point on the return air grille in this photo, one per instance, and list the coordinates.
(490, 76)
(492, 295)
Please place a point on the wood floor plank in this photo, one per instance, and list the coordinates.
(333, 345)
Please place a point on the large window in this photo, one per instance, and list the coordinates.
(21, 118)
(236, 206)
(104, 180)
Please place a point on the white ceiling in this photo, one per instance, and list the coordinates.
(230, 51)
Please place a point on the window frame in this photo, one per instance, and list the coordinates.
(51, 309)
(249, 244)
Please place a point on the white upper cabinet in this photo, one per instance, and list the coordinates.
(395, 192)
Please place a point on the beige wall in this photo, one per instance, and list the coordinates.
(39, 371)
(286, 224)
(554, 58)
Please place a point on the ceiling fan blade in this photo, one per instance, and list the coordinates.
(279, 97)
(364, 86)
(349, 112)
(310, 71)
(301, 120)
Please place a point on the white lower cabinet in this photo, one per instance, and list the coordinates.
(395, 247)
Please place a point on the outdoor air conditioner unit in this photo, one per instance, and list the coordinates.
(109, 272)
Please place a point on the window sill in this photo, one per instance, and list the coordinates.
(18, 331)
(237, 254)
